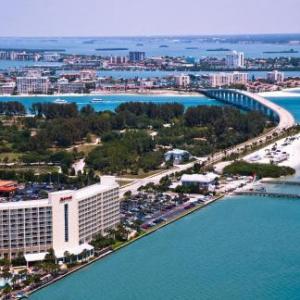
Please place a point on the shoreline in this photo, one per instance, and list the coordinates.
(125, 244)
(130, 242)
(290, 93)
(292, 149)
(160, 226)
(166, 93)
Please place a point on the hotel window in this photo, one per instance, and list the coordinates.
(66, 211)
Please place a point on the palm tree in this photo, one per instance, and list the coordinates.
(7, 289)
(84, 254)
(50, 256)
(67, 256)
(14, 281)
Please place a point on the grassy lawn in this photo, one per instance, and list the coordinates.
(142, 174)
(86, 148)
(123, 182)
(12, 156)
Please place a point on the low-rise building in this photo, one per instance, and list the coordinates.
(65, 86)
(118, 60)
(88, 75)
(199, 180)
(51, 56)
(7, 88)
(177, 156)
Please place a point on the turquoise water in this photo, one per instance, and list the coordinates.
(291, 104)
(110, 102)
(239, 248)
(177, 46)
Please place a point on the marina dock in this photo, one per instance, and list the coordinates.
(266, 194)
(284, 182)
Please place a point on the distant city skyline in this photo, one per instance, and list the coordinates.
(147, 18)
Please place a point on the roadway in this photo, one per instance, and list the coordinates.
(286, 120)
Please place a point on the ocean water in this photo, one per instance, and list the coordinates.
(110, 102)
(292, 104)
(175, 46)
(237, 248)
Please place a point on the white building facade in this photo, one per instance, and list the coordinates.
(235, 60)
(182, 80)
(226, 79)
(67, 221)
(33, 84)
(275, 76)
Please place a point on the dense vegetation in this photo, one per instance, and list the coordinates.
(133, 138)
(260, 170)
(12, 108)
(128, 152)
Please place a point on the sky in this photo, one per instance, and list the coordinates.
(151, 17)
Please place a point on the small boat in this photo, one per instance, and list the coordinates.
(60, 101)
(21, 295)
(96, 100)
(260, 189)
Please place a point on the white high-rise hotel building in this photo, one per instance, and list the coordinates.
(66, 221)
(235, 60)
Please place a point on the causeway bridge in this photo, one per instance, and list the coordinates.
(249, 101)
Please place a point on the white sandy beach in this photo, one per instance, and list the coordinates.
(292, 149)
(292, 92)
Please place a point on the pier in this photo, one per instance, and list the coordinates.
(290, 182)
(266, 194)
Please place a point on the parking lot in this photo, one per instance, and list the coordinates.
(149, 209)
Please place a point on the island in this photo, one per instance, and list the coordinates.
(112, 49)
(291, 51)
(218, 50)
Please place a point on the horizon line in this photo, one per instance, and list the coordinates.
(150, 35)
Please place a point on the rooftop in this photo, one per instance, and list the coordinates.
(74, 250)
(203, 178)
(24, 204)
(31, 257)
(177, 151)
(107, 183)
